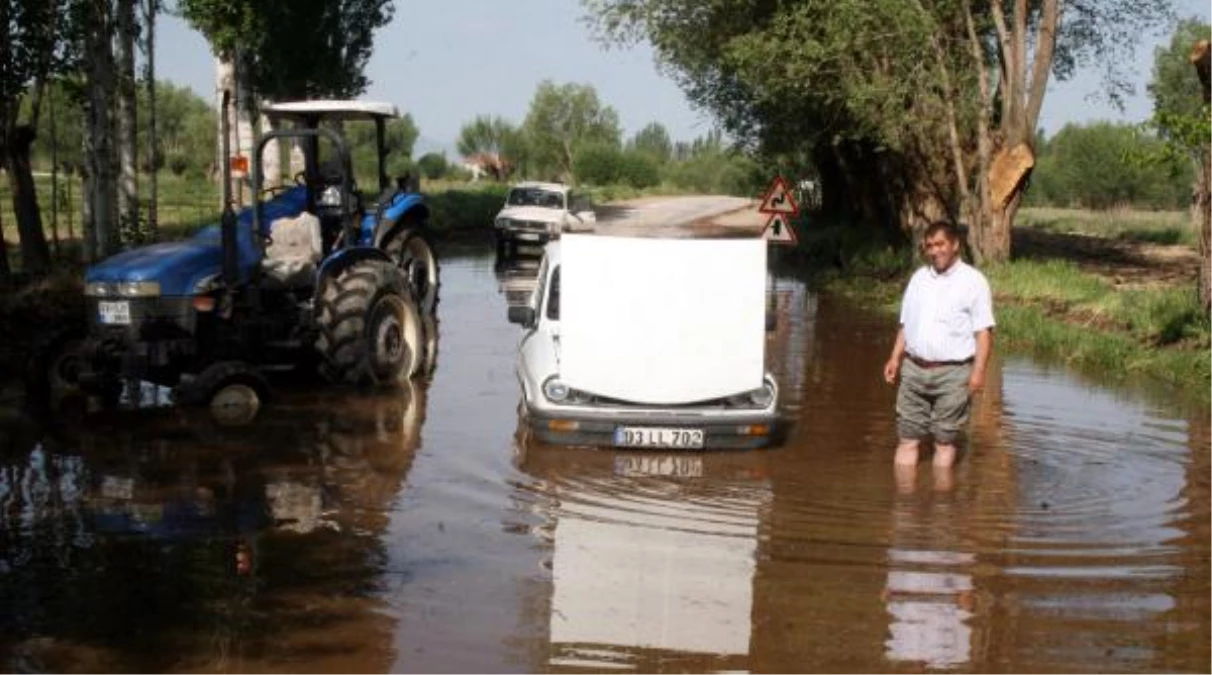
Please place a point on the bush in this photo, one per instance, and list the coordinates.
(598, 164)
(639, 170)
(433, 165)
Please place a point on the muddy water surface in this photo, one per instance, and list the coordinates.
(421, 531)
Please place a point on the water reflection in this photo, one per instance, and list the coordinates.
(652, 555)
(172, 544)
(929, 589)
(516, 277)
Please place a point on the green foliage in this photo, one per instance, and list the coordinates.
(185, 126)
(638, 169)
(486, 134)
(433, 165)
(1174, 87)
(1096, 166)
(562, 119)
(399, 137)
(653, 141)
(298, 49)
(598, 164)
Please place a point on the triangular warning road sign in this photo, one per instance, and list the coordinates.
(779, 230)
(778, 199)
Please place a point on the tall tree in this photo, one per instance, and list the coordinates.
(911, 110)
(31, 51)
(1181, 114)
(288, 50)
(484, 135)
(125, 37)
(653, 140)
(100, 203)
(154, 151)
(563, 117)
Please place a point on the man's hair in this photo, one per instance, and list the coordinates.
(948, 229)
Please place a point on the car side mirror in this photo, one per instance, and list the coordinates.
(772, 320)
(522, 315)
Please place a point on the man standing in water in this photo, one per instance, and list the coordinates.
(941, 349)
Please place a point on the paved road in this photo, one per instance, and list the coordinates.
(674, 216)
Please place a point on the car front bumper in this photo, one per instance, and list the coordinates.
(735, 431)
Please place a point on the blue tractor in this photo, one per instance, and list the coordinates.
(314, 276)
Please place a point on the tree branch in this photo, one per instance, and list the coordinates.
(1044, 47)
(1005, 58)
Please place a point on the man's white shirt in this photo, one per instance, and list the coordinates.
(942, 312)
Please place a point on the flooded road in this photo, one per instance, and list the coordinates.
(422, 531)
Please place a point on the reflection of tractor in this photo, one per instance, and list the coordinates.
(317, 275)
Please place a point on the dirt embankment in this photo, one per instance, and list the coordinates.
(1126, 264)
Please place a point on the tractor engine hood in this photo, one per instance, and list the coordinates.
(179, 265)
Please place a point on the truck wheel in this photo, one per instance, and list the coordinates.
(413, 252)
(369, 328)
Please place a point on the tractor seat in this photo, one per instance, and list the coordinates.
(294, 250)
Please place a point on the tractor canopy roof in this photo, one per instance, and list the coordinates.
(332, 109)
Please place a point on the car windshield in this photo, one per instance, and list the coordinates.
(536, 197)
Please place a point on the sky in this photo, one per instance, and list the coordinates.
(445, 62)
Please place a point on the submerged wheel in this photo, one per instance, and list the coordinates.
(415, 255)
(233, 391)
(369, 329)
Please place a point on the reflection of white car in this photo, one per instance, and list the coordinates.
(535, 213)
(652, 343)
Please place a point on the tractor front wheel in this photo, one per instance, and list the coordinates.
(415, 255)
(369, 329)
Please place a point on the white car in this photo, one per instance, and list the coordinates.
(648, 343)
(535, 213)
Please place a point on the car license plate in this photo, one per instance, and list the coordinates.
(657, 437)
(678, 466)
(526, 236)
(115, 312)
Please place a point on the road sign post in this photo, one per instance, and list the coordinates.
(780, 204)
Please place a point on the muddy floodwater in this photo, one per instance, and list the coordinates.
(422, 531)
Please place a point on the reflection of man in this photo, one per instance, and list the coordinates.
(941, 349)
(929, 588)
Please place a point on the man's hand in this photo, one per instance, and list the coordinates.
(976, 381)
(890, 369)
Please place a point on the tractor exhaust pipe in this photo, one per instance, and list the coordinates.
(227, 222)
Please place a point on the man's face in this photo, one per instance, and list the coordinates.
(941, 251)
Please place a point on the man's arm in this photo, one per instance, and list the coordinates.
(894, 360)
(984, 346)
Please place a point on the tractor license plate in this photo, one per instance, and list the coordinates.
(115, 312)
(657, 437)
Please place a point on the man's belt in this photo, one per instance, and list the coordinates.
(923, 363)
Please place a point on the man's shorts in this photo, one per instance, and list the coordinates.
(932, 402)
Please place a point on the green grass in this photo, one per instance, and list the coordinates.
(1053, 308)
(1154, 227)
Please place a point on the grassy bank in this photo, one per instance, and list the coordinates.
(1055, 309)
(1154, 227)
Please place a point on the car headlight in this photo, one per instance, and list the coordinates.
(331, 196)
(124, 289)
(762, 397)
(503, 222)
(556, 391)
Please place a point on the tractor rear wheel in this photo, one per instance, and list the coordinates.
(415, 255)
(369, 329)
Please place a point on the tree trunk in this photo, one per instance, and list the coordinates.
(102, 192)
(240, 140)
(271, 162)
(1201, 58)
(153, 139)
(5, 273)
(35, 255)
(128, 144)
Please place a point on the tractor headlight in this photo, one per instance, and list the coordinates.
(122, 289)
(331, 196)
